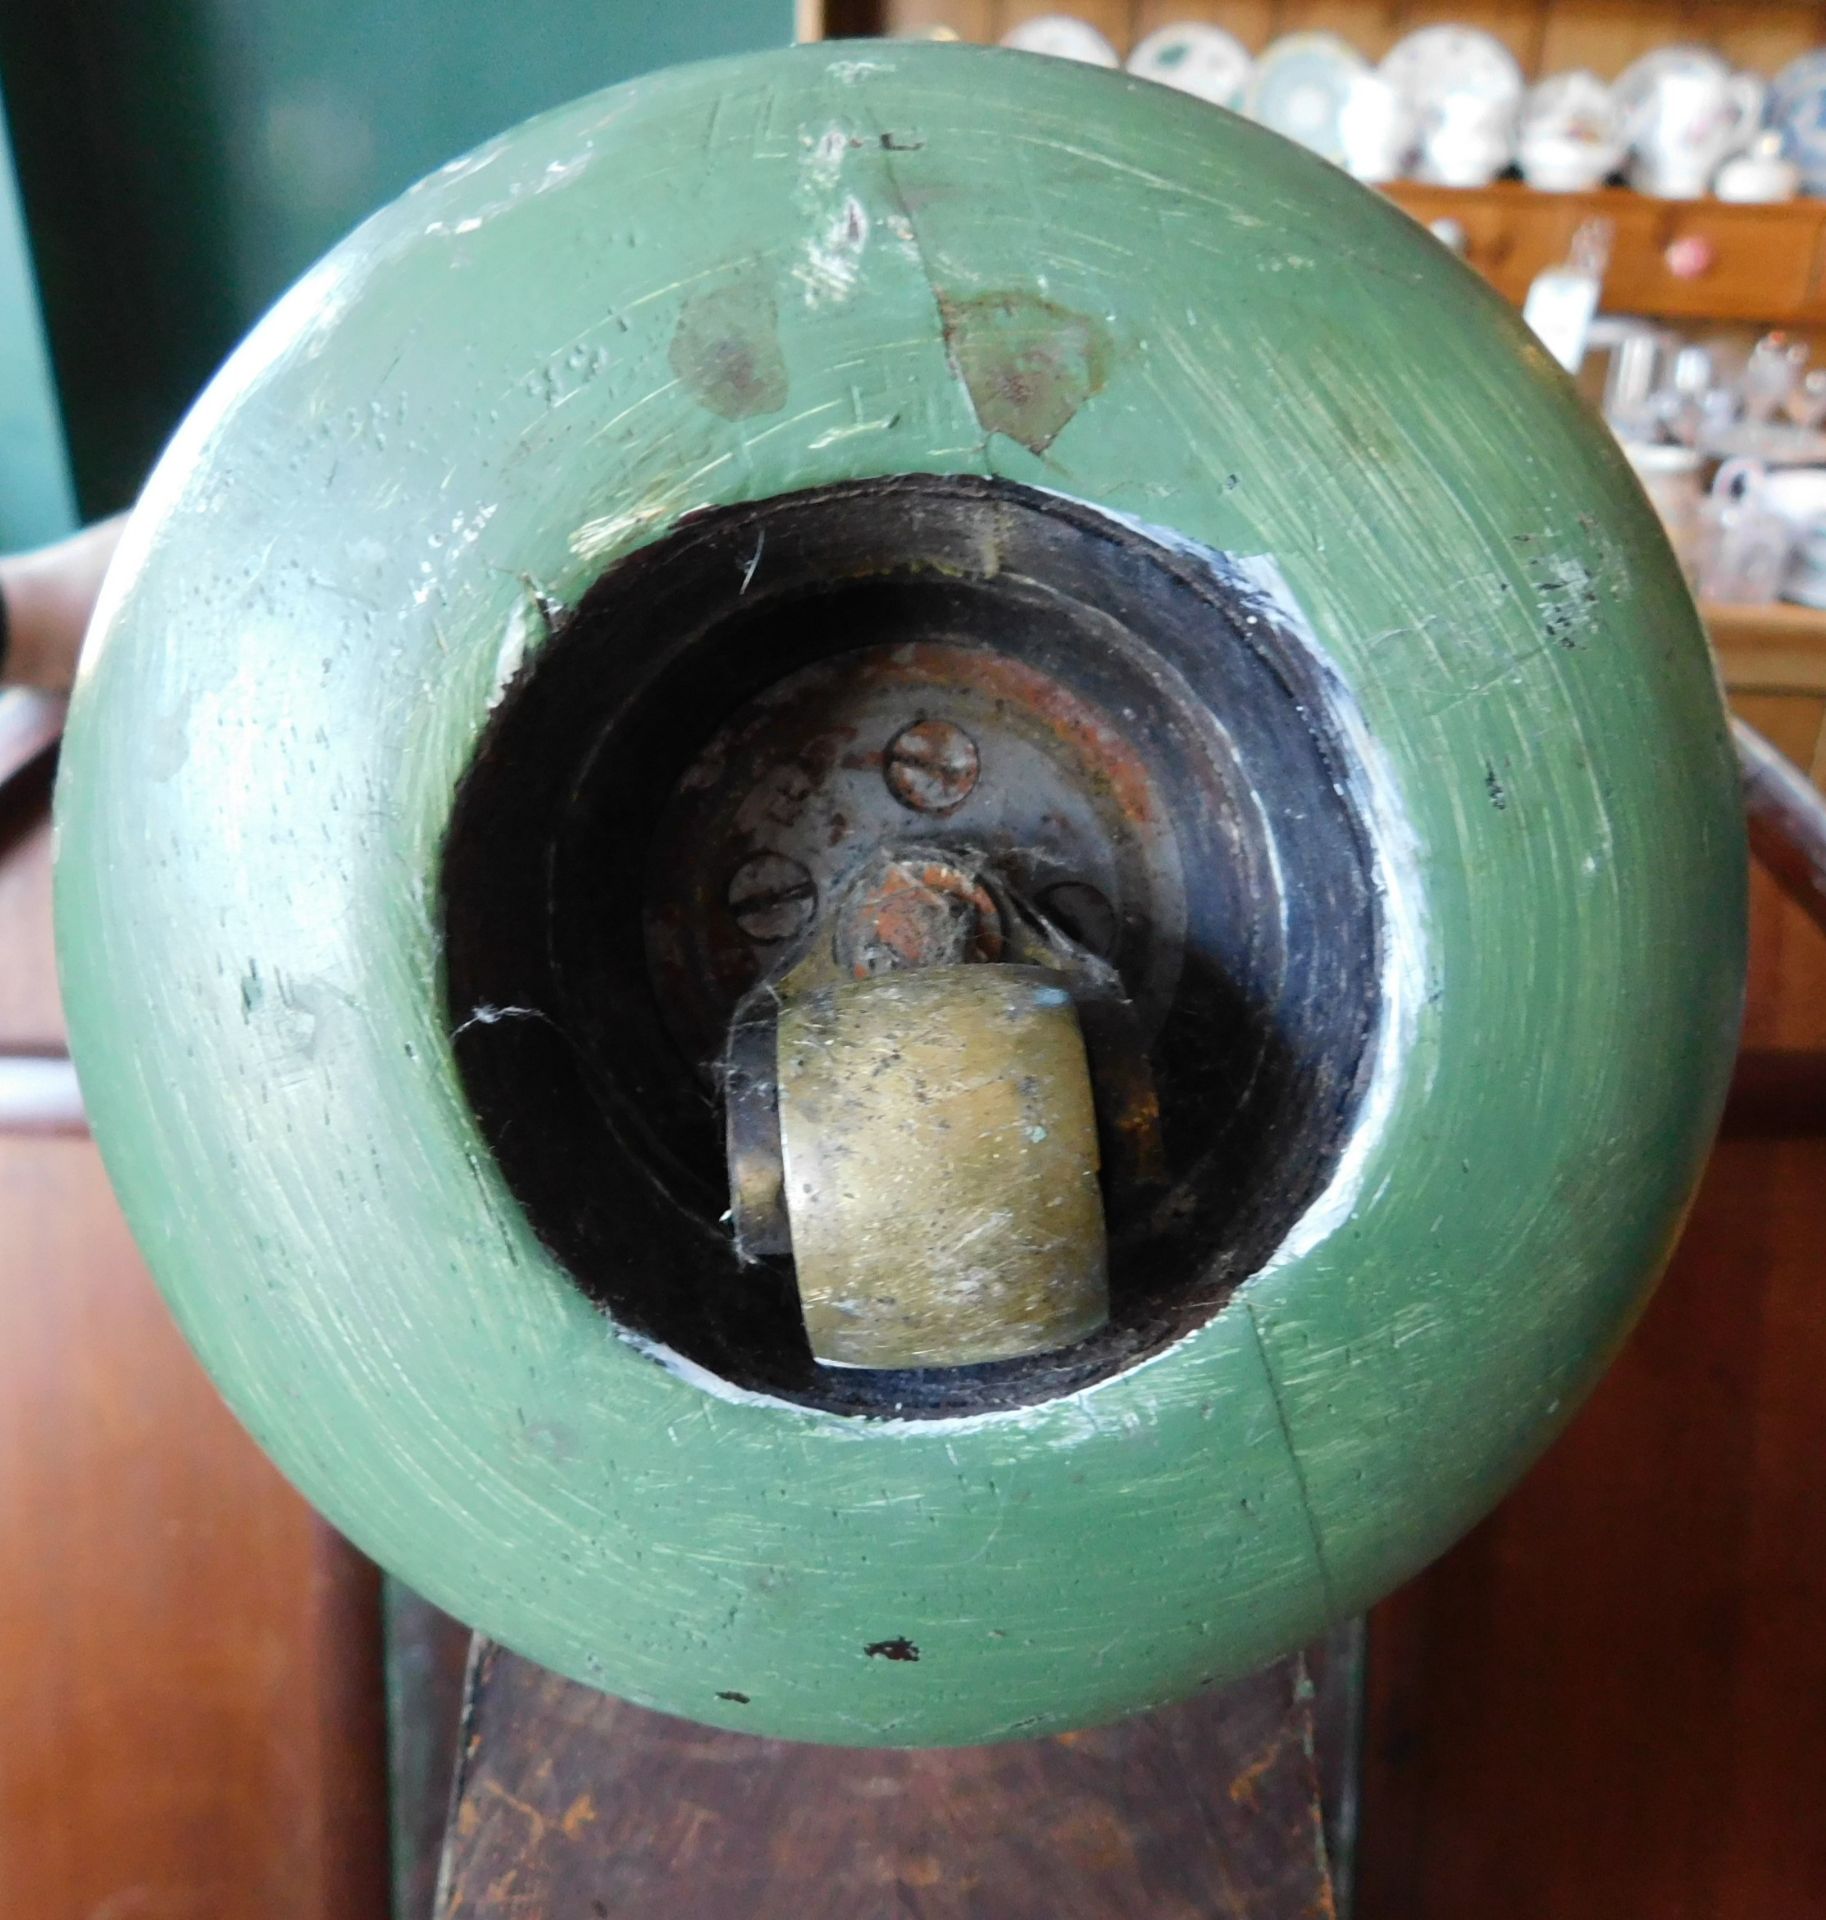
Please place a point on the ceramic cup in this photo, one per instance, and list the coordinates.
(1470, 142)
(1745, 546)
(1688, 123)
(1569, 138)
(1576, 103)
(1798, 496)
(1565, 162)
(1376, 128)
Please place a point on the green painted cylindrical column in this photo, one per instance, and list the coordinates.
(1209, 369)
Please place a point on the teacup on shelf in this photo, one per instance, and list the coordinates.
(1762, 176)
(1567, 162)
(1569, 136)
(1470, 141)
(1376, 128)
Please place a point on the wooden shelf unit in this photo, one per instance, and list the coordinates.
(1764, 265)
(1546, 36)
(1760, 264)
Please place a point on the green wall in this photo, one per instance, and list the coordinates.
(182, 160)
(36, 500)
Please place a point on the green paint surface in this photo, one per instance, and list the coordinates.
(328, 583)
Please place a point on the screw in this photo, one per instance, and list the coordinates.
(931, 766)
(772, 897)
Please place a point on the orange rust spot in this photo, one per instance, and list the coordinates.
(1244, 1784)
(911, 914)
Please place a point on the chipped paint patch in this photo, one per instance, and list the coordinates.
(726, 348)
(449, 544)
(526, 623)
(1027, 363)
(1409, 966)
(1566, 591)
(835, 223)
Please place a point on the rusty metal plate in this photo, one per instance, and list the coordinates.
(962, 748)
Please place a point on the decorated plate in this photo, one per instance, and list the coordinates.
(1197, 58)
(1299, 86)
(1797, 111)
(1065, 38)
(1436, 63)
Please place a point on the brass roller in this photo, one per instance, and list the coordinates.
(940, 1167)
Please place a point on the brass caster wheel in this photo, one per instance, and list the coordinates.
(939, 1157)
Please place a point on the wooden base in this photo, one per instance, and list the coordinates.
(569, 1803)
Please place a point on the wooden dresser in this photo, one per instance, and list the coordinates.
(191, 1701)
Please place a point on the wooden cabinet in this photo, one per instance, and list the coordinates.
(1610, 1699)
(1546, 36)
(191, 1707)
(1674, 259)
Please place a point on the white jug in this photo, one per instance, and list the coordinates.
(1687, 125)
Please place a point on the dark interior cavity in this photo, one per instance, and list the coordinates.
(714, 730)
